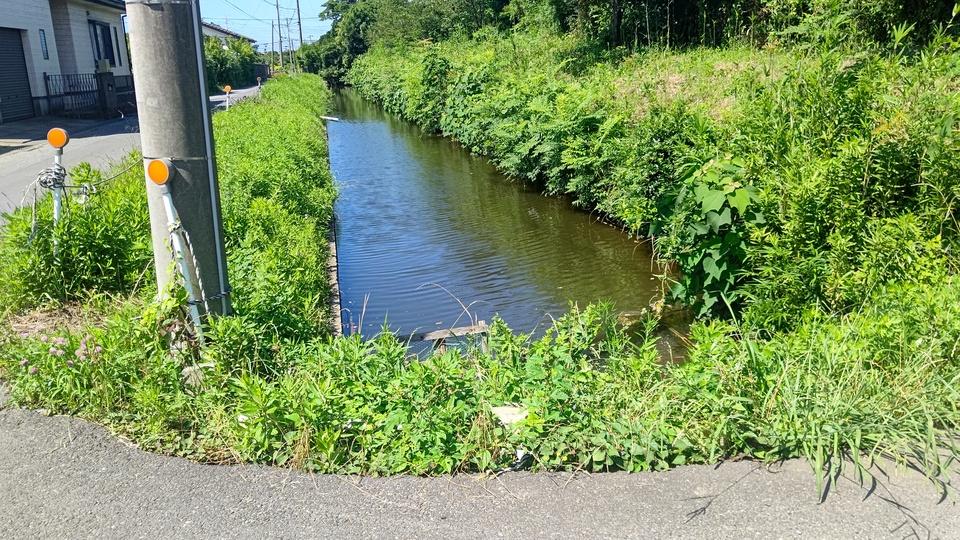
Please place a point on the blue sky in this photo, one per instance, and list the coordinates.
(252, 18)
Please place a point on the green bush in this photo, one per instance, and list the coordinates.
(231, 63)
(830, 143)
(103, 244)
(278, 198)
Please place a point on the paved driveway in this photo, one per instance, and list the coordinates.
(220, 101)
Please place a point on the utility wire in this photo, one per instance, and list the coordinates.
(238, 8)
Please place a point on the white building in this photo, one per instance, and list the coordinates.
(52, 48)
(223, 34)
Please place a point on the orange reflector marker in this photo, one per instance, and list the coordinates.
(58, 138)
(228, 89)
(159, 171)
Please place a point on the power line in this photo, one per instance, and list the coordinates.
(256, 19)
(238, 8)
(269, 3)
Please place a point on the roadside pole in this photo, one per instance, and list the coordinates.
(299, 23)
(173, 106)
(279, 33)
(293, 59)
(58, 139)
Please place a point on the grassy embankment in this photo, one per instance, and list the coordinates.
(804, 192)
(879, 379)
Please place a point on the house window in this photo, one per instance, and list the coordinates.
(43, 45)
(102, 43)
(116, 42)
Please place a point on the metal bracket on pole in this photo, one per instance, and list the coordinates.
(180, 246)
(160, 172)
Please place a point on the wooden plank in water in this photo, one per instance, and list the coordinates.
(437, 335)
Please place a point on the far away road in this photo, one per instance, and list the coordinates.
(66, 478)
(100, 145)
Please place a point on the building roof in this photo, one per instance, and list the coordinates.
(118, 4)
(231, 33)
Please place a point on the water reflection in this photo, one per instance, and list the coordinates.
(424, 229)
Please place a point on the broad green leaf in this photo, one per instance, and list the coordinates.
(699, 228)
(712, 270)
(740, 199)
(710, 199)
(719, 220)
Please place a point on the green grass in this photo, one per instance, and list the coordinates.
(882, 383)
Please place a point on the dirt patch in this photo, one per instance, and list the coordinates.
(46, 320)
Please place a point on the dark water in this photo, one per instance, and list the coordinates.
(423, 226)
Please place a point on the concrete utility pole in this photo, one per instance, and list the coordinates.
(293, 58)
(299, 23)
(273, 45)
(279, 32)
(173, 106)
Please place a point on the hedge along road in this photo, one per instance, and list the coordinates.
(422, 226)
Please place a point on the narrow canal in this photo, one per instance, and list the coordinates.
(423, 226)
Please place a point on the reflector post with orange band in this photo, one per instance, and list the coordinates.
(58, 138)
(160, 171)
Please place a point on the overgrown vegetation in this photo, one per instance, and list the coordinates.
(805, 189)
(278, 198)
(881, 383)
(774, 179)
(613, 27)
(231, 62)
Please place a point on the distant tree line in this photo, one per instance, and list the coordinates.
(674, 23)
(359, 24)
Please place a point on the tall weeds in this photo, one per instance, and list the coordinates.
(277, 196)
(831, 147)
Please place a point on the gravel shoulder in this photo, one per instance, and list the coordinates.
(64, 477)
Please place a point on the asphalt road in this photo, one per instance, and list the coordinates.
(219, 101)
(62, 477)
(100, 145)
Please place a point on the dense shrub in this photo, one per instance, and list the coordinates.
(277, 205)
(828, 145)
(229, 63)
(102, 245)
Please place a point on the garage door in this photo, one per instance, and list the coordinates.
(15, 100)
